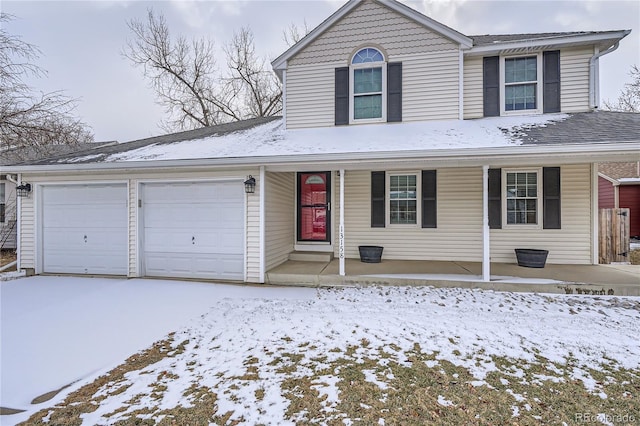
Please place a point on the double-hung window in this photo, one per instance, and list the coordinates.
(368, 86)
(522, 197)
(522, 86)
(403, 199)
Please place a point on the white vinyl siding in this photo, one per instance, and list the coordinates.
(8, 229)
(27, 233)
(310, 96)
(430, 86)
(459, 234)
(28, 255)
(133, 230)
(574, 79)
(457, 237)
(280, 217)
(473, 90)
(429, 90)
(373, 24)
(572, 243)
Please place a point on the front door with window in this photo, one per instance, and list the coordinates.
(313, 201)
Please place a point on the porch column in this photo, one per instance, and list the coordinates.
(262, 210)
(486, 245)
(341, 226)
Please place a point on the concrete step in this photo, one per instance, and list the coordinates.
(311, 256)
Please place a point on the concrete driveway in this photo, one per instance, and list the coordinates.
(59, 330)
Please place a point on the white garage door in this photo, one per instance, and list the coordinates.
(194, 230)
(84, 229)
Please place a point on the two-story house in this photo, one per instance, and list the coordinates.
(397, 131)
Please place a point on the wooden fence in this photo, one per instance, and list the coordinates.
(614, 241)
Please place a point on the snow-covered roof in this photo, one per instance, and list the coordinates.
(272, 139)
(265, 140)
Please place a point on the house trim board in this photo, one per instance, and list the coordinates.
(515, 155)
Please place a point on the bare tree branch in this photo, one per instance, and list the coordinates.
(629, 99)
(188, 84)
(28, 119)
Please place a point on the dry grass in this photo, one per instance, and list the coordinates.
(420, 390)
(634, 258)
(6, 257)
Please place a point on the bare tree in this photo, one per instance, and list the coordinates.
(293, 34)
(255, 86)
(188, 84)
(629, 99)
(30, 119)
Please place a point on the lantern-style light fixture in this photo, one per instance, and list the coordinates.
(250, 185)
(23, 190)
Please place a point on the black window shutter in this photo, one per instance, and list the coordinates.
(551, 81)
(394, 91)
(551, 197)
(342, 96)
(495, 198)
(429, 199)
(491, 86)
(377, 200)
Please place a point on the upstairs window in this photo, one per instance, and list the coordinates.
(521, 80)
(368, 86)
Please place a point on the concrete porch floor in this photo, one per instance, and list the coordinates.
(623, 280)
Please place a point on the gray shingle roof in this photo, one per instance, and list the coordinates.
(587, 127)
(95, 155)
(32, 154)
(491, 39)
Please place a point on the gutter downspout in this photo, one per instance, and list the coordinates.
(18, 221)
(594, 76)
(460, 85)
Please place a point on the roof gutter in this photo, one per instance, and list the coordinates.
(594, 75)
(547, 42)
(535, 152)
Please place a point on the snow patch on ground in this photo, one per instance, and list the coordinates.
(230, 325)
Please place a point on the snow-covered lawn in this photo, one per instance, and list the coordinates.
(375, 355)
(58, 330)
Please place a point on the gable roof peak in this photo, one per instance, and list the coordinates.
(280, 63)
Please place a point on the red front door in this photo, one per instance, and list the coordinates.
(314, 195)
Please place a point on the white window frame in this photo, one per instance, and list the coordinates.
(539, 217)
(365, 65)
(539, 91)
(387, 195)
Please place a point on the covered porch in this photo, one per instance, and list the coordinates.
(618, 280)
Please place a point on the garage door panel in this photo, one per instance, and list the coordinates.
(194, 230)
(85, 229)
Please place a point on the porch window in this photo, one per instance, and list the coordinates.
(522, 197)
(403, 199)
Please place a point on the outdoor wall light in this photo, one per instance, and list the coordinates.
(23, 190)
(250, 185)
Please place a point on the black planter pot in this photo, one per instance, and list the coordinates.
(531, 258)
(370, 254)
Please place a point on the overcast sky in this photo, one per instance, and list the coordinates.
(82, 41)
